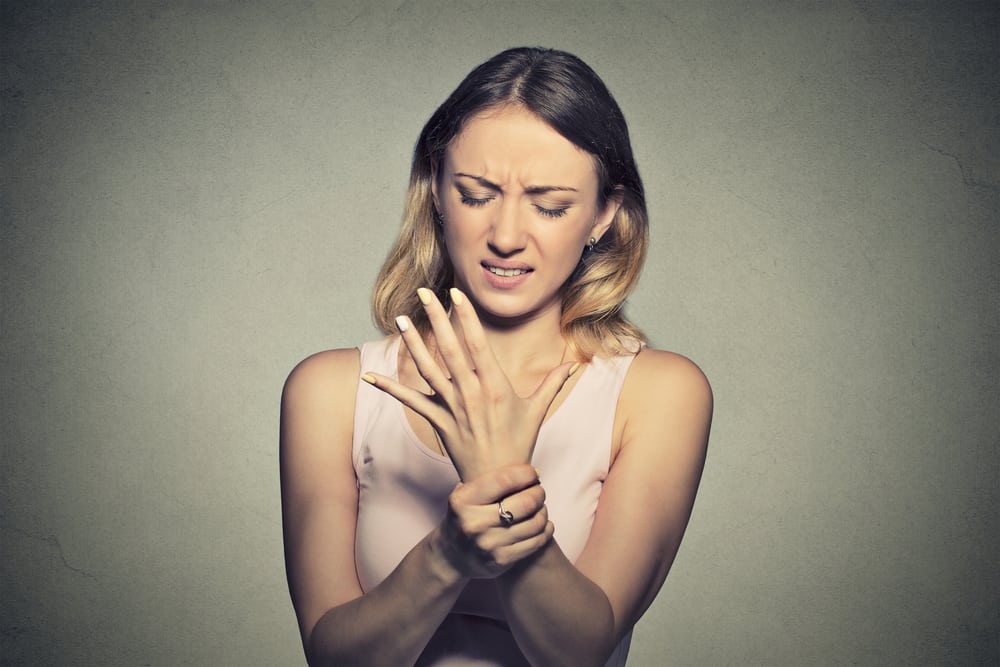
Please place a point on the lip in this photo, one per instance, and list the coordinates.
(505, 282)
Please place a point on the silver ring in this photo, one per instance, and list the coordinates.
(506, 518)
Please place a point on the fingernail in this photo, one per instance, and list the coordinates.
(403, 324)
(369, 378)
(574, 368)
(456, 297)
(424, 295)
(538, 473)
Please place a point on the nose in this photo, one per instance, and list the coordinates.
(507, 234)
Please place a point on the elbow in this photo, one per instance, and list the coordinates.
(312, 655)
(608, 639)
(594, 645)
(600, 639)
(322, 656)
(316, 644)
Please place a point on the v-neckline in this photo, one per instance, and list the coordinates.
(411, 431)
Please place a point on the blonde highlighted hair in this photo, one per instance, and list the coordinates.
(567, 94)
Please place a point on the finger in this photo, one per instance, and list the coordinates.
(493, 539)
(527, 501)
(422, 358)
(509, 555)
(448, 343)
(480, 352)
(494, 485)
(546, 392)
(417, 401)
(518, 507)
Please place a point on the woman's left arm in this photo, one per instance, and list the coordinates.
(563, 613)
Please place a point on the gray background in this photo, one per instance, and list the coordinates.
(197, 195)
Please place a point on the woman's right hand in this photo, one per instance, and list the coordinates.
(473, 537)
(482, 422)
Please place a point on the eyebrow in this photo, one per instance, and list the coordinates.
(531, 189)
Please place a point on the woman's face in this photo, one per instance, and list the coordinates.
(520, 203)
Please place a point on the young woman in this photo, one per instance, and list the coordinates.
(506, 479)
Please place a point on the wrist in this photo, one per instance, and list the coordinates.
(440, 567)
(546, 557)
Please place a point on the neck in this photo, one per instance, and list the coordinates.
(529, 346)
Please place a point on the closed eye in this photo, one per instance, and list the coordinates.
(475, 201)
(551, 212)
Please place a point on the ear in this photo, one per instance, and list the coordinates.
(607, 215)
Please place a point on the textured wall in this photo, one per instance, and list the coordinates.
(197, 195)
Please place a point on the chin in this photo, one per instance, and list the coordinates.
(511, 309)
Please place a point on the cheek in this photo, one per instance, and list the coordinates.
(571, 236)
(461, 241)
(563, 251)
(466, 225)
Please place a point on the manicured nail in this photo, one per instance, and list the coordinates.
(574, 368)
(457, 297)
(403, 324)
(425, 295)
(369, 378)
(538, 473)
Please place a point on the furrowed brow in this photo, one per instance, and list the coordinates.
(531, 189)
(542, 189)
(479, 179)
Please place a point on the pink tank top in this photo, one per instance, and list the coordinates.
(403, 491)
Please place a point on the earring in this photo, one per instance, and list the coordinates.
(439, 218)
(591, 244)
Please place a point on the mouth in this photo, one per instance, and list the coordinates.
(506, 273)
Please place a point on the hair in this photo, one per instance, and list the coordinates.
(567, 94)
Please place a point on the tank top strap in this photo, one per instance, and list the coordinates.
(380, 356)
(608, 377)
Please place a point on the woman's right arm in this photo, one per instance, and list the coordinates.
(392, 623)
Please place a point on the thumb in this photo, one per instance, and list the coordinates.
(550, 386)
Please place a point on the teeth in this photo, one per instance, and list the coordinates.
(505, 272)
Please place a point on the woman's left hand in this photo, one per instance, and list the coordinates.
(482, 422)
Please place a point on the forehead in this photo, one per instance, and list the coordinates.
(513, 143)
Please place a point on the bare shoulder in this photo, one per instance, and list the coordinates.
(324, 375)
(659, 375)
(666, 394)
(317, 407)
(326, 366)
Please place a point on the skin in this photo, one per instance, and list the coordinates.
(493, 191)
(493, 365)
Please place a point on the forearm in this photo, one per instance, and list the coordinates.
(392, 623)
(557, 615)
